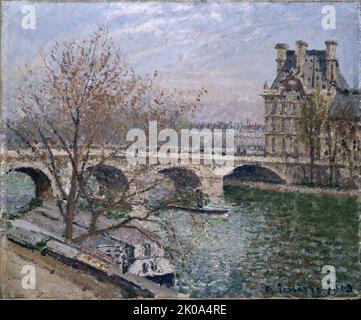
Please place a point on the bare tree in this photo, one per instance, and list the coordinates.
(332, 142)
(85, 94)
(311, 121)
(349, 145)
(342, 141)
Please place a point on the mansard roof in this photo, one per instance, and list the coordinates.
(346, 101)
(313, 72)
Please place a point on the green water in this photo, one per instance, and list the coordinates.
(17, 190)
(269, 244)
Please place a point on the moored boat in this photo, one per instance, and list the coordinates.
(201, 210)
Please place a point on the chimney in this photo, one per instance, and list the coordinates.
(330, 60)
(300, 55)
(281, 55)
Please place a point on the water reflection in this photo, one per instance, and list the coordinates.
(17, 190)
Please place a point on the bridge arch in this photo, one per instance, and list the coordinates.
(255, 173)
(183, 178)
(43, 184)
(110, 178)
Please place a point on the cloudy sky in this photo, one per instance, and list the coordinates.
(226, 47)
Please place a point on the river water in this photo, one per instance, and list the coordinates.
(17, 190)
(270, 244)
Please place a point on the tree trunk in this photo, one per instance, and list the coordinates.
(312, 162)
(70, 207)
(332, 171)
(93, 222)
(350, 176)
(331, 177)
(349, 168)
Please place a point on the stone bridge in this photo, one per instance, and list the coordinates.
(205, 176)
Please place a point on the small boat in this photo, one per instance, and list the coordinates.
(202, 210)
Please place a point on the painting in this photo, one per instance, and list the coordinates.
(180, 150)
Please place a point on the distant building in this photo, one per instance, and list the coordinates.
(248, 136)
(249, 139)
(299, 72)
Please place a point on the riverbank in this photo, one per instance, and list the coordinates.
(356, 194)
(42, 230)
(54, 280)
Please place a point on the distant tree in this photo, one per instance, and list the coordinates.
(350, 144)
(85, 94)
(313, 115)
(332, 140)
(342, 142)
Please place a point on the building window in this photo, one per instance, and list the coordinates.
(268, 143)
(153, 265)
(296, 149)
(283, 146)
(293, 108)
(278, 124)
(283, 108)
(274, 107)
(283, 125)
(147, 249)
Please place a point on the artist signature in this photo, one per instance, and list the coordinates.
(315, 291)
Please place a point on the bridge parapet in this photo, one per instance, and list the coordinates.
(291, 170)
